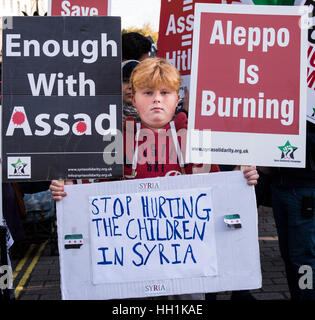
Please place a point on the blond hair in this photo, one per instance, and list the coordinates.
(154, 73)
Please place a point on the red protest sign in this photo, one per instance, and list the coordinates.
(247, 83)
(79, 8)
(244, 81)
(176, 31)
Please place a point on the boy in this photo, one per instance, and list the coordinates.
(155, 86)
(152, 148)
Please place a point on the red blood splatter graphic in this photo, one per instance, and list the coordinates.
(81, 127)
(18, 118)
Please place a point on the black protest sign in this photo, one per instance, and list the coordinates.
(62, 103)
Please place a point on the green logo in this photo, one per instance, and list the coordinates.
(287, 151)
(19, 167)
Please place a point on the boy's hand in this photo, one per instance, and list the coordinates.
(57, 190)
(251, 174)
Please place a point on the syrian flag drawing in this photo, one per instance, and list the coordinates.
(233, 221)
(73, 241)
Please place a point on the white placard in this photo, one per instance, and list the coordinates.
(226, 259)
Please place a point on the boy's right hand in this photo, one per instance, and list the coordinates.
(57, 189)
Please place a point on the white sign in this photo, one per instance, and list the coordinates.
(127, 239)
(156, 235)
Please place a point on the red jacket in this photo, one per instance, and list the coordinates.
(157, 155)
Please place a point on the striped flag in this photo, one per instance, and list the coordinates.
(233, 220)
(73, 241)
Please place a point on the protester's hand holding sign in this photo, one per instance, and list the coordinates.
(250, 173)
(57, 189)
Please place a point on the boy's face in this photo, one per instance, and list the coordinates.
(156, 107)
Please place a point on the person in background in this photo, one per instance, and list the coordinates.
(135, 46)
(293, 206)
(128, 108)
